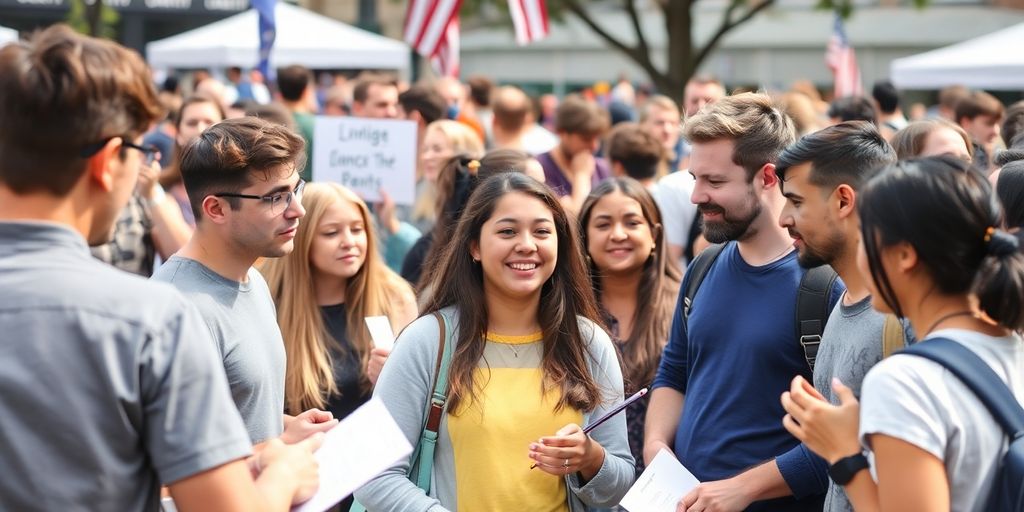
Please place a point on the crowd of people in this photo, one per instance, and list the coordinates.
(757, 260)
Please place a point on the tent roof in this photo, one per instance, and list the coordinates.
(303, 37)
(8, 35)
(992, 61)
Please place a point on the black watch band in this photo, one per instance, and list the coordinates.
(846, 468)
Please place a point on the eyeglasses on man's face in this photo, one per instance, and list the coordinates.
(150, 153)
(278, 201)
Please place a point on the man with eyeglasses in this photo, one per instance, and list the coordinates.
(110, 385)
(149, 225)
(243, 184)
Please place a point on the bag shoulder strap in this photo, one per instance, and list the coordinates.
(697, 272)
(439, 392)
(976, 374)
(893, 336)
(812, 309)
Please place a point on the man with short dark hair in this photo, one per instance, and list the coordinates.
(852, 108)
(733, 350)
(636, 153)
(979, 114)
(571, 169)
(375, 97)
(245, 191)
(821, 176)
(887, 105)
(299, 97)
(422, 104)
(110, 384)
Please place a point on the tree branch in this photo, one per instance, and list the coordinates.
(641, 42)
(728, 24)
(581, 13)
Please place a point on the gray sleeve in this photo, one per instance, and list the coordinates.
(191, 423)
(403, 386)
(617, 473)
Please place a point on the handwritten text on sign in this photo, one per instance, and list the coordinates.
(367, 155)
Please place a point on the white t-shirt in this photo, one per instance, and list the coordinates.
(918, 401)
(672, 195)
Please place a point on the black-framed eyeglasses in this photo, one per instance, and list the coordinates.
(279, 201)
(150, 152)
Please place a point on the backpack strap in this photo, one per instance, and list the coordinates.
(976, 374)
(812, 309)
(893, 336)
(422, 463)
(697, 272)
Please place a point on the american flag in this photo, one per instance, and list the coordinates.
(530, 19)
(841, 59)
(432, 29)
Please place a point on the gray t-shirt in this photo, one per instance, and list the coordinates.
(920, 402)
(850, 346)
(109, 385)
(243, 321)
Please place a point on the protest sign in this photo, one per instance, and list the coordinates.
(367, 155)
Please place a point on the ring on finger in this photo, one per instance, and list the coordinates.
(566, 463)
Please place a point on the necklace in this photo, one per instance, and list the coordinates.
(779, 255)
(515, 351)
(945, 317)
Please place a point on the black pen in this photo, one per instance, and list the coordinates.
(617, 409)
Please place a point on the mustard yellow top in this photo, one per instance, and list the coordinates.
(491, 437)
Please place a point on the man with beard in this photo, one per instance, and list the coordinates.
(736, 350)
(242, 178)
(820, 177)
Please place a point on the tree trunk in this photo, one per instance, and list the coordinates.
(679, 29)
(93, 15)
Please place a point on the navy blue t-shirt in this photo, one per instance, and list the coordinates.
(733, 359)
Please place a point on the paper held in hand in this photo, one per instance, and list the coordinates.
(660, 487)
(380, 332)
(363, 445)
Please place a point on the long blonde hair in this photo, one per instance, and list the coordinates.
(374, 290)
(464, 141)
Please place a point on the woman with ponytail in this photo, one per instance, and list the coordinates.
(936, 255)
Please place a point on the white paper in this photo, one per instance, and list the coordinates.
(363, 445)
(367, 156)
(380, 331)
(660, 486)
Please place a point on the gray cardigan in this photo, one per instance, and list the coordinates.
(404, 385)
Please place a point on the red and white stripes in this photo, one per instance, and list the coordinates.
(530, 19)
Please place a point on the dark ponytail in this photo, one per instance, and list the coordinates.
(952, 218)
(999, 284)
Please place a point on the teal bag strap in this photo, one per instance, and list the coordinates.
(422, 462)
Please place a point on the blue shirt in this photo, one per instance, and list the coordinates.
(733, 359)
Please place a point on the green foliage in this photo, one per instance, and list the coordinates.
(78, 17)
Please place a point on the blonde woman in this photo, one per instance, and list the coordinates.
(333, 279)
(441, 141)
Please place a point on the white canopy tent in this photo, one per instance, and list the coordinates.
(7, 35)
(303, 37)
(993, 61)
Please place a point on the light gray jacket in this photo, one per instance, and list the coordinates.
(404, 387)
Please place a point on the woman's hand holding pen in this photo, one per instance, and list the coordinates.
(568, 451)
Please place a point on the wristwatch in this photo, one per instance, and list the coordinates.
(847, 467)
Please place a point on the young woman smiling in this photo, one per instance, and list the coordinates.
(630, 267)
(333, 279)
(529, 366)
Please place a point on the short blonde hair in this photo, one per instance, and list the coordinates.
(758, 128)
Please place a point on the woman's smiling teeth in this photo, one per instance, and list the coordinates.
(523, 266)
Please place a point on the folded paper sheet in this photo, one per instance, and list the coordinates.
(363, 445)
(660, 487)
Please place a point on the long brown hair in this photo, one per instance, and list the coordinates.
(565, 297)
(659, 285)
(373, 290)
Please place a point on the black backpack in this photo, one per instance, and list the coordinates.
(1008, 491)
(812, 304)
